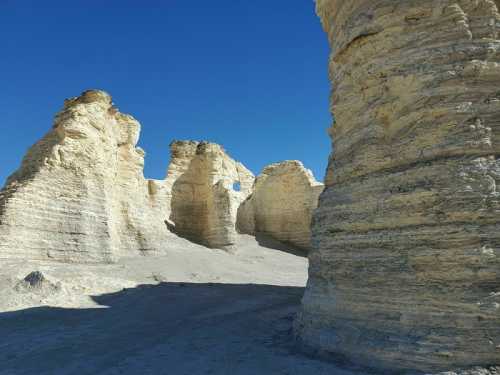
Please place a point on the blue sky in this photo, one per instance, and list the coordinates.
(250, 75)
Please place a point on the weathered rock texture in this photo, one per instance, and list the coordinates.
(283, 200)
(80, 194)
(406, 267)
(204, 201)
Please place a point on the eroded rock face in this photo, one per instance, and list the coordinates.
(283, 200)
(204, 202)
(80, 194)
(406, 268)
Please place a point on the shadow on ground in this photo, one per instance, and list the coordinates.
(169, 328)
(270, 243)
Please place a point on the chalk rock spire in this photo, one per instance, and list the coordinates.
(282, 203)
(207, 188)
(406, 269)
(80, 194)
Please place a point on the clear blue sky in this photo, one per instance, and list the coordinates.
(248, 74)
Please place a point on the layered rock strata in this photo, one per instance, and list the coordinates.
(207, 187)
(80, 194)
(406, 268)
(282, 203)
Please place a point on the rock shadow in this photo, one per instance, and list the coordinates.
(169, 328)
(266, 241)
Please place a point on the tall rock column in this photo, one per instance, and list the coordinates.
(283, 200)
(204, 203)
(80, 194)
(406, 268)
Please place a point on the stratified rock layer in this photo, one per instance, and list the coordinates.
(204, 200)
(80, 194)
(282, 203)
(406, 268)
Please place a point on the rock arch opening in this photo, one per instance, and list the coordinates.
(237, 186)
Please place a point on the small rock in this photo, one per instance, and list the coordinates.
(35, 279)
(37, 282)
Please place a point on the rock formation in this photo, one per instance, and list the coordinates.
(204, 199)
(406, 268)
(80, 194)
(283, 200)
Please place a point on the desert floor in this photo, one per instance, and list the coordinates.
(191, 311)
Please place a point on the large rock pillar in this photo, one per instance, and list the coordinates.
(281, 205)
(406, 268)
(80, 195)
(204, 202)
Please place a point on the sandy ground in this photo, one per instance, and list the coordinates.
(192, 311)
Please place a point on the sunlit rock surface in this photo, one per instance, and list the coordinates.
(282, 203)
(80, 194)
(406, 268)
(207, 189)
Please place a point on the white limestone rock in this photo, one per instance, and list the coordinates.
(282, 203)
(80, 194)
(204, 201)
(405, 271)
